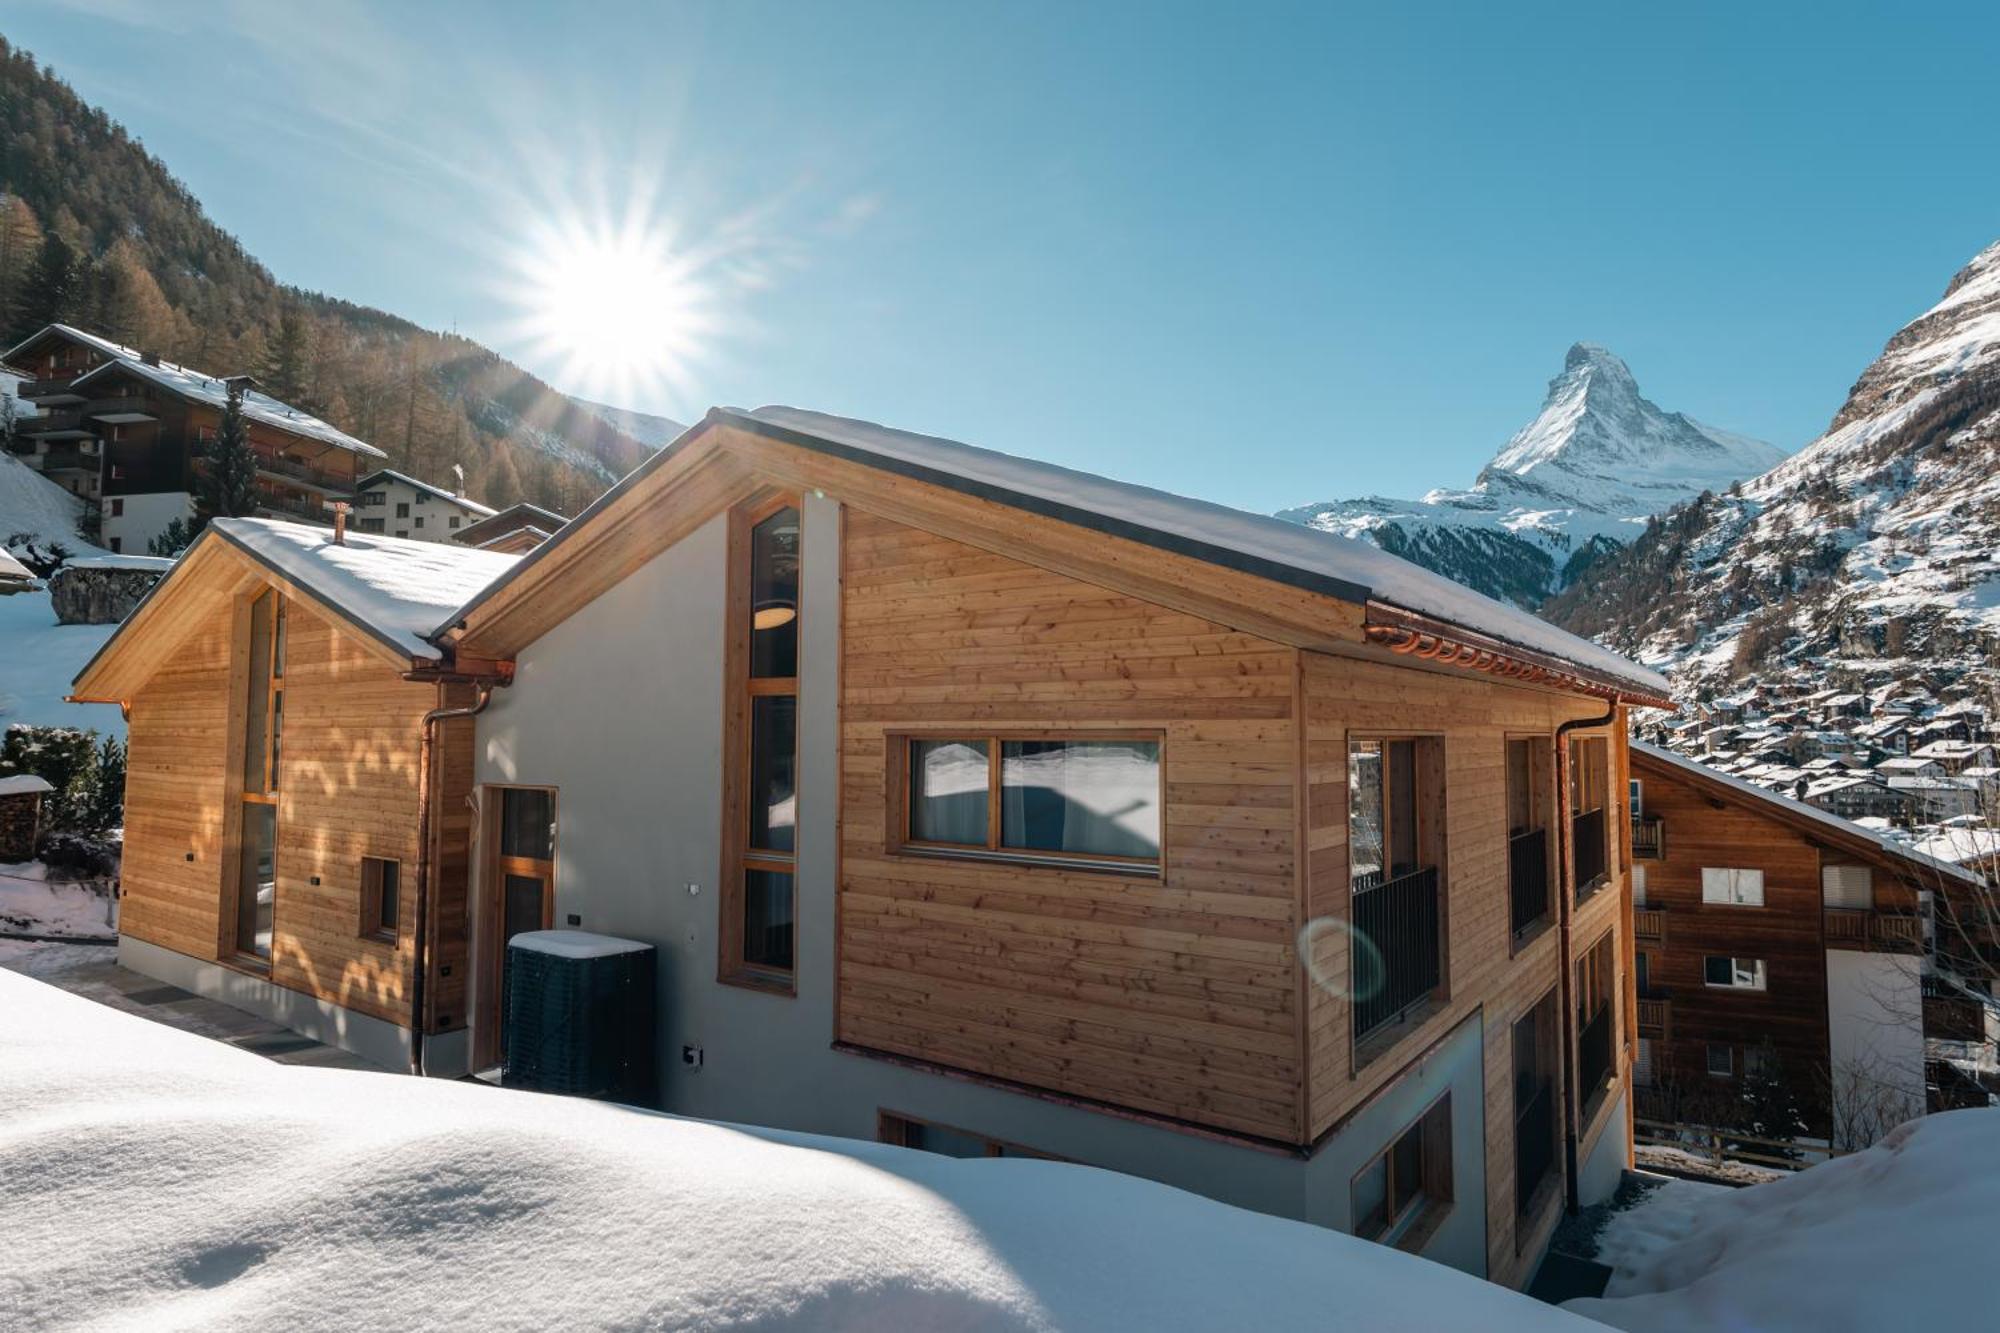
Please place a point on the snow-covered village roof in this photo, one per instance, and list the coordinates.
(25, 784)
(12, 570)
(440, 492)
(1834, 825)
(209, 390)
(395, 588)
(1962, 846)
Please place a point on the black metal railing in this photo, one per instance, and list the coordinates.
(1395, 948)
(1587, 847)
(1649, 838)
(1528, 877)
(1534, 1140)
(1593, 1053)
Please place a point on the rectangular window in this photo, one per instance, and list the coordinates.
(1528, 800)
(1734, 973)
(1589, 795)
(1642, 1064)
(1721, 1060)
(1635, 797)
(418, 523)
(760, 888)
(1732, 888)
(381, 897)
(1395, 848)
(1092, 801)
(1409, 1182)
(1760, 1062)
(263, 741)
(1596, 977)
(117, 509)
(1847, 886)
(454, 520)
(1393, 822)
(402, 509)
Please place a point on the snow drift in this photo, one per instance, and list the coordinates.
(154, 1178)
(1898, 1236)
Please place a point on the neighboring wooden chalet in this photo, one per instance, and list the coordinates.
(139, 429)
(989, 807)
(1776, 939)
(396, 504)
(515, 530)
(296, 804)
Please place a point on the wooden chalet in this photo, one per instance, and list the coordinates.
(515, 530)
(299, 759)
(1777, 940)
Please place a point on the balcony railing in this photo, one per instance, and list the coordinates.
(1528, 877)
(1649, 838)
(1650, 923)
(1881, 932)
(1654, 1011)
(1587, 846)
(1534, 1140)
(339, 485)
(44, 388)
(1593, 1053)
(69, 460)
(54, 423)
(1396, 948)
(300, 507)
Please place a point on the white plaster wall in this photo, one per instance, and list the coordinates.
(436, 513)
(145, 517)
(1597, 1176)
(1457, 1065)
(1875, 1039)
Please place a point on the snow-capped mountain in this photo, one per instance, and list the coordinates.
(1573, 484)
(655, 432)
(1877, 547)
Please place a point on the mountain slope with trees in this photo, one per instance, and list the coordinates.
(96, 232)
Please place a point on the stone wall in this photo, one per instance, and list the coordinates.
(18, 815)
(95, 594)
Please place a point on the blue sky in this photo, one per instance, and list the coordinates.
(1262, 254)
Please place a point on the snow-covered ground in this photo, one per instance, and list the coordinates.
(38, 658)
(33, 903)
(1895, 1237)
(157, 1179)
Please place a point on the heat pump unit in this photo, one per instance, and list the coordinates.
(580, 1016)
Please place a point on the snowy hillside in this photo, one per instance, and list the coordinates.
(36, 512)
(652, 431)
(1874, 545)
(1572, 485)
(157, 1179)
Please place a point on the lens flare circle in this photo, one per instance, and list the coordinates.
(1366, 973)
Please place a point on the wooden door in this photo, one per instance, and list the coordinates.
(520, 897)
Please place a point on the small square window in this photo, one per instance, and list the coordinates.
(1721, 1060)
(454, 520)
(418, 523)
(403, 509)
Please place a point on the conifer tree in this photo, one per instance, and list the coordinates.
(285, 363)
(229, 485)
(50, 290)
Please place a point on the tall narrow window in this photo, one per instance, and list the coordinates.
(760, 879)
(1589, 825)
(1395, 846)
(263, 743)
(1528, 787)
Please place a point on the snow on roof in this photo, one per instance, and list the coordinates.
(399, 590)
(1962, 846)
(200, 388)
(1879, 1239)
(13, 570)
(461, 501)
(24, 784)
(159, 563)
(1341, 566)
(1833, 823)
(574, 944)
(425, 1202)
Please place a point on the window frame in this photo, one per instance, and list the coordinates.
(1735, 874)
(1708, 1060)
(1409, 1228)
(267, 696)
(1428, 761)
(1762, 972)
(901, 807)
(371, 926)
(740, 688)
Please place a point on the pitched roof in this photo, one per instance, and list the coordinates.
(390, 589)
(439, 491)
(206, 389)
(1831, 826)
(1270, 548)
(519, 515)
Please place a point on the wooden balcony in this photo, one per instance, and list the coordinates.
(1655, 1013)
(1650, 924)
(1649, 839)
(1867, 931)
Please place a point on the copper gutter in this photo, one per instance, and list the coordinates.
(1409, 634)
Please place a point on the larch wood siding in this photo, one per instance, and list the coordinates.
(347, 789)
(1483, 971)
(1177, 995)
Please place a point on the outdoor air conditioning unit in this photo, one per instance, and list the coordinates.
(580, 1016)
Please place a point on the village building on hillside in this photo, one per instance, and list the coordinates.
(393, 504)
(1778, 942)
(130, 433)
(515, 530)
(977, 805)
(299, 763)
